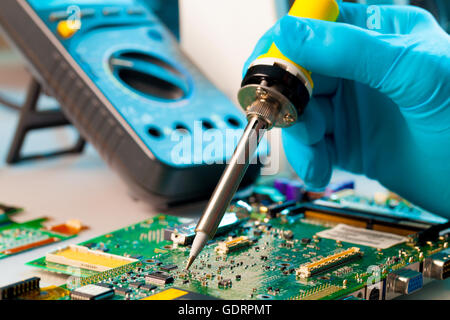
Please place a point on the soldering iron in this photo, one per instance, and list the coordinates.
(274, 93)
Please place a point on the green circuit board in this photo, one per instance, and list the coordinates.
(20, 237)
(264, 268)
(142, 239)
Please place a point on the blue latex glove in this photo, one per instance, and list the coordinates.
(381, 104)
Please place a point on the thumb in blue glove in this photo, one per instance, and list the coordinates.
(381, 104)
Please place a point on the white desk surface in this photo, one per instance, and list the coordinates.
(83, 187)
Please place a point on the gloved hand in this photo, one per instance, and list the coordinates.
(381, 104)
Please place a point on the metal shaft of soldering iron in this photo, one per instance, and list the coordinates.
(228, 184)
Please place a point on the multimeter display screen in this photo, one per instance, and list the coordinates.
(49, 4)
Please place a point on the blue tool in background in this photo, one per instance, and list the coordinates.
(123, 82)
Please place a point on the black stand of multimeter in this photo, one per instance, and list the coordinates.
(33, 119)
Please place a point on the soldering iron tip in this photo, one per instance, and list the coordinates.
(189, 262)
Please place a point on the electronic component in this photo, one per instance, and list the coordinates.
(276, 208)
(305, 241)
(322, 210)
(295, 191)
(431, 234)
(225, 247)
(376, 291)
(46, 293)
(85, 258)
(158, 278)
(34, 244)
(148, 287)
(391, 210)
(122, 291)
(91, 292)
(287, 234)
(365, 237)
(19, 237)
(311, 268)
(404, 281)
(318, 292)
(68, 228)
(168, 267)
(14, 290)
(135, 285)
(225, 283)
(437, 266)
(280, 184)
(184, 234)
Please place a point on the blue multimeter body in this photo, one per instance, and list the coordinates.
(123, 81)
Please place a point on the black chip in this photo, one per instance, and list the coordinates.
(148, 287)
(159, 278)
(122, 291)
(168, 267)
(305, 241)
(15, 289)
(135, 285)
(105, 285)
(90, 245)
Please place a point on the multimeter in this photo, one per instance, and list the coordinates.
(123, 82)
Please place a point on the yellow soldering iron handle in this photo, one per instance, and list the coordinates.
(314, 9)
